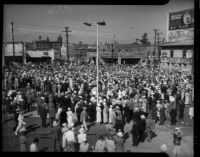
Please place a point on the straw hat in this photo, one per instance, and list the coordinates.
(55, 123)
(136, 109)
(163, 148)
(81, 130)
(142, 117)
(120, 134)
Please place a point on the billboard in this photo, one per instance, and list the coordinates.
(180, 35)
(181, 20)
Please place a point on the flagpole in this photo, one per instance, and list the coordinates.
(97, 62)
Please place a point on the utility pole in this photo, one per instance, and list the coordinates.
(13, 43)
(67, 43)
(112, 53)
(159, 53)
(155, 30)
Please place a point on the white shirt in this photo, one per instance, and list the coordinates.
(84, 147)
(69, 135)
(33, 148)
(81, 137)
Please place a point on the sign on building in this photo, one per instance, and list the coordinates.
(181, 25)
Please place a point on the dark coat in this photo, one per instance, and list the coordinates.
(43, 113)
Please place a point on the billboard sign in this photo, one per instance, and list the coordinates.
(180, 35)
(181, 20)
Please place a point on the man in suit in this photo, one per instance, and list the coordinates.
(43, 115)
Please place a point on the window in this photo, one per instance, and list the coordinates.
(184, 53)
(171, 53)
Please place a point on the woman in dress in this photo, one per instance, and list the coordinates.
(98, 115)
(105, 112)
(70, 117)
(21, 124)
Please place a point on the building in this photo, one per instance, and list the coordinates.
(124, 53)
(41, 56)
(43, 45)
(177, 52)
(8, 55)
(77, 52)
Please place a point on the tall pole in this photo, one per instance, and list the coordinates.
(67, 42)
(154, 46)
(97, 62)
(112, 53)
(13, 43)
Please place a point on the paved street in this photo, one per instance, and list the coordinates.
(163, 136)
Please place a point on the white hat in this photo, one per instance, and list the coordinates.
(142, 117)
(64, 124)
(163, 148)
(120, 134)
(136, 108)
(81, 130)
(55, 123)
(143, 96)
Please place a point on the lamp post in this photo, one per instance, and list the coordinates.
(102, 23)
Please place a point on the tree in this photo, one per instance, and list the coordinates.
(144, 39)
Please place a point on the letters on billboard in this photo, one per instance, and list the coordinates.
(181, 20)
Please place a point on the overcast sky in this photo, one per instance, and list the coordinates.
(127, 22)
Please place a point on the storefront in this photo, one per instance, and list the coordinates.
(40, 56)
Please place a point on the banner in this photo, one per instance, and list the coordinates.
(181, 20)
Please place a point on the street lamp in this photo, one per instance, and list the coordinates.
(102, 23)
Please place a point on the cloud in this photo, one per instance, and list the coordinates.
(58, 9)
(90, 33)
(31, 30)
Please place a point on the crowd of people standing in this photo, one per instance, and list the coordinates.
(68, 94)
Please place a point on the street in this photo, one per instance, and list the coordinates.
(163, 135)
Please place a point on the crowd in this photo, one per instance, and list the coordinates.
(68, 94)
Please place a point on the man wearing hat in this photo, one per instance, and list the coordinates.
(150, 124)
(81, 137)
(142, 126)
(57, 136)
(119, 140)
(135, 133)
(110, 144)
(177, 142)
(119, 122)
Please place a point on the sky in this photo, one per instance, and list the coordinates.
(124, 22)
